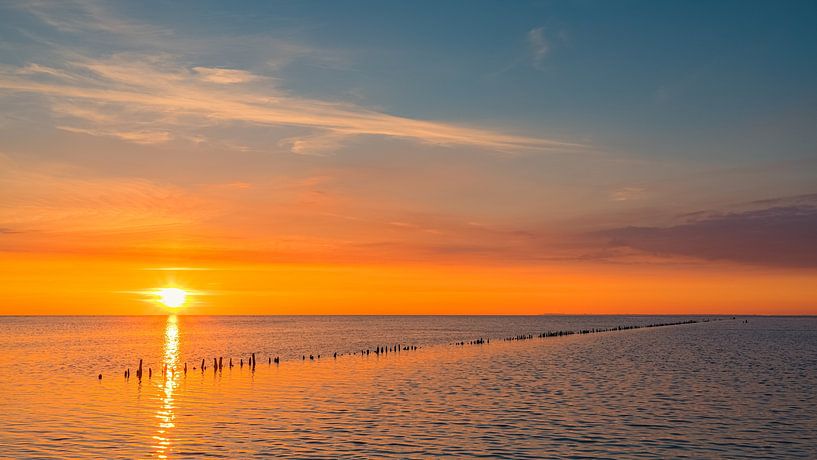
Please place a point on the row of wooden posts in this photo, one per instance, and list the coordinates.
(218, 363)
(482, 341)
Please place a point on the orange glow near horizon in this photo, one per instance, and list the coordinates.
(91, 286)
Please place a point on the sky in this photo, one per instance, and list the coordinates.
(459, 157)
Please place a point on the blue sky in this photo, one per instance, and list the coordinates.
(683, 73)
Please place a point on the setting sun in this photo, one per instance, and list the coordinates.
(172, 297)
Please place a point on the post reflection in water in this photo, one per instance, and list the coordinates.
(169, 382)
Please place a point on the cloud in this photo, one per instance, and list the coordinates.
(137, 137)
(163, 92)
(56, 198)
(784, 236)
(539, 46)
(224, 76)
(82, 16)
(627, 193)
(315, 144)
(808, 199)
(122, 93)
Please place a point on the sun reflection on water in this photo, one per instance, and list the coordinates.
(171, 375)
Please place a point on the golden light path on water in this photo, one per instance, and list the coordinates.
(166, 414)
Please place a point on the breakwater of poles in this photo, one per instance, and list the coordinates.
(563, 333)
(218, 363)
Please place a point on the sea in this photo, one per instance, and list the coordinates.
(443, 387)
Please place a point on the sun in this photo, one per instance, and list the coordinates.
(172, 297)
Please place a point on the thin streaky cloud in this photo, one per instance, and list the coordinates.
(780, 236)
(171, 93)
(627, 193)
(178, 269)
(539, 46)
(151, 85)
(81, 16)
(224, 76)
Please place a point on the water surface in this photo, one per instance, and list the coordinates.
(707, 390)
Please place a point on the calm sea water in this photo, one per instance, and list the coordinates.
(724, 389)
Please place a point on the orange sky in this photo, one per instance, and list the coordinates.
(48, 284)
(80, 244)
(300, 171)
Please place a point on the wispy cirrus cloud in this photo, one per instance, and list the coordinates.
(101, 92)
(164, 92)
(224, 76)
(627, 193)
(316, 143)
(539, 46)
(58, 198)
(137, 137)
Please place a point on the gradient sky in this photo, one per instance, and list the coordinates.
(417, 157)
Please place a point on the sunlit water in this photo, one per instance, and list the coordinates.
(724, 389)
